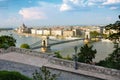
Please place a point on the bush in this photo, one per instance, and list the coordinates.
(44, 74)
(12, 75)
(26, 46)
(7, 41)
(58, 55)
(68, 57)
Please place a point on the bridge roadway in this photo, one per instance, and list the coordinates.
(52, 44)
(38, 61)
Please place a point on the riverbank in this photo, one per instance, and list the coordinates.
(28, 34)
(51, 37)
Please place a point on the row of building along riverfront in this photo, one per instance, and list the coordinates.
(71, 31)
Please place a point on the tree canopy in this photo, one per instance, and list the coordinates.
(94, 34)
(114, 26)
(112, 61)
(44, 74)
(12, 75)
(7, 41)
(26, 46)
(86, 54)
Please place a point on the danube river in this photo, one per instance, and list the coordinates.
(103, 48)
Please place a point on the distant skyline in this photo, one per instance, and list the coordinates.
(14, 13)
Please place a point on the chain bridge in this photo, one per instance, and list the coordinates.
(46, 42)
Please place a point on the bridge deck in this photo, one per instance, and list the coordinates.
(38, 62)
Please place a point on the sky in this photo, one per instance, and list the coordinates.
(14, 13)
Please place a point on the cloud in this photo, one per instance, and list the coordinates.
(32, 13)
(68, 5)
(113, 8)
(108, 2)
(65, 7)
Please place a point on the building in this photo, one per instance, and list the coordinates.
(39, 31)
(33, 31)
(68, 33)
(23, 29)
(77, 32)
(46, 31)
(57, 32)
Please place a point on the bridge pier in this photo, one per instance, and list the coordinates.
(87, 37)
(45, 44)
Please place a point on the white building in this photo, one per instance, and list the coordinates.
(39, 31)
(57, 32)
(46, 32)
(33, 31)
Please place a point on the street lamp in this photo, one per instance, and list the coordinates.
(75, 57)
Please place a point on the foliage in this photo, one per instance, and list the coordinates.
(7, 41)
(12, 75)
(44, 74)
(94, 34)
(115, 26)
(86, 54)
(68, 57)
(58, 55)
(26, 46)
(112, 61)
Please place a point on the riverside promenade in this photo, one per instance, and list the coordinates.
(29, 63)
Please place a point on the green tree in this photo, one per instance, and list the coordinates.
(58, 55)
(44, 74)
(26, 46)
(86, 54)
(115, 26)
(12, 75)
(94, 34)
(7, 41)
(112, 61)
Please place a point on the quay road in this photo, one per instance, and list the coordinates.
(36, 61)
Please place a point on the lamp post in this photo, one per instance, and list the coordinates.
(75, 57)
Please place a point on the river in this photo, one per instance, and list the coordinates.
(103, 48)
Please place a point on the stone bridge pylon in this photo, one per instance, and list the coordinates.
(45, 44)
(87, 36)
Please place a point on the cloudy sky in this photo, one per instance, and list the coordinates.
(58, 12)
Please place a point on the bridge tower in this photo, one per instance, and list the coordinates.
(87, 36)
(45, 44)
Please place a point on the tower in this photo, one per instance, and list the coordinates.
(45, 44)
(87, 34)
(87, 37)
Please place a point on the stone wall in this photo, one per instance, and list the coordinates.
(66, 63)
(25, 51)
(87, 67)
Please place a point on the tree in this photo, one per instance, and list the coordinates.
(12, 75)
(112, 61)
(26, 46)
(115, 26)
(7, 41)
(44, 74)
(86, 54)
(58, 55)
(94, 34)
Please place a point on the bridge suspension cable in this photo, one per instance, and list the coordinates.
(36, 43)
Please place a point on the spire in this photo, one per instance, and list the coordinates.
(23, 25)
